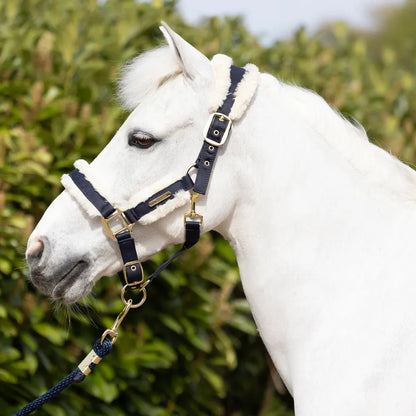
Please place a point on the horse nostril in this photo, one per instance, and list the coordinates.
(35, 248)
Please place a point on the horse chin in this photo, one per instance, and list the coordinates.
(72, 286)
(72, 296)
(66, 284)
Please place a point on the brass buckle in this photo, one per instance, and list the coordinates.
(224, 137)
(133, 265)
(193, 216)
(119, 220)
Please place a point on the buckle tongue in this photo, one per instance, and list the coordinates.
(115, 224)
(136, 268)
(217, 129)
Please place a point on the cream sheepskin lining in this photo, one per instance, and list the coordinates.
(180, 199)
(245, 89)
(79, 197)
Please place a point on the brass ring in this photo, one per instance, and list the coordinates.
(133, 305)
(194, 166)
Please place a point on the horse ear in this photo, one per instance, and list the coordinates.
(193, 62)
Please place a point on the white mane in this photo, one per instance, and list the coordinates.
(144, 74)
(350, 140)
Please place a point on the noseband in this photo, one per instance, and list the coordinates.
(118, 224)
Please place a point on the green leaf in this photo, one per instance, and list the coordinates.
(8, 353)
(171, 323)
(54, 334)
(101, 387)
(243, 324)
(29, 363)
(214, 380)
(7, 377)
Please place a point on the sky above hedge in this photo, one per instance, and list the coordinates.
(277, 19)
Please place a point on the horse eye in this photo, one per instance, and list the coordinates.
(141, 139)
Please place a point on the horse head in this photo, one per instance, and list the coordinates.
(170, 91)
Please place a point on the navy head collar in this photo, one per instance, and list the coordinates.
(118, 224)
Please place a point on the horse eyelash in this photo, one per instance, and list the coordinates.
(137, 136)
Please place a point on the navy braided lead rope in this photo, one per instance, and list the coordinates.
(77, 376)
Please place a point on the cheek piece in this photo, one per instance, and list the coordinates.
(236, 87)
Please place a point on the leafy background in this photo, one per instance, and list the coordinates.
(193, 349)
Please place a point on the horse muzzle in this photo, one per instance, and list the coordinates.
(61, 280)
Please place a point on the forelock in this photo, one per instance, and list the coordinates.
(144, 74)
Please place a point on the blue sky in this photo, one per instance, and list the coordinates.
(279, 19)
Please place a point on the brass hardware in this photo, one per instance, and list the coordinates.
(118, 220)
(194, 197)
(190, 168)
(141, 289)
(206, 163)
(192, 214)
(133, 266)
(113, 331)
(91, 358)
(193, 217)
(211, 148)
(222, 118)
(160, 199)
(216, 132)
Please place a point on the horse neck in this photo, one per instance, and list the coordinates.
(317, 239)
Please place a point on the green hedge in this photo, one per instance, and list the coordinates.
(179, 353)
(193, 349)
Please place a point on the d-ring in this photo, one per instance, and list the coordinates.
(134, 305)
(194, 166)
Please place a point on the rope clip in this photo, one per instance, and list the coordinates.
(113, 331)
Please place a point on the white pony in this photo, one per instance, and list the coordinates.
(323, 224)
